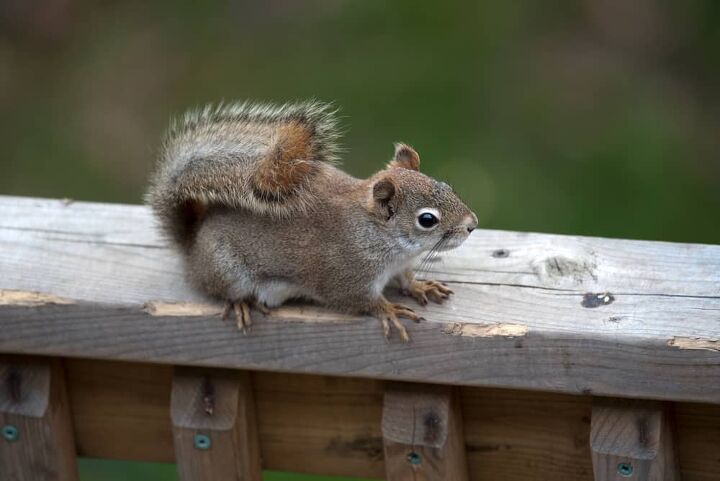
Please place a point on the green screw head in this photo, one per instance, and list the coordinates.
(9, 432)
(625, 469)
(202, 441)
(414, 458)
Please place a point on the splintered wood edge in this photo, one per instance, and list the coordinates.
(181, 309)
(695, 343)
(486, 330)
(10, 297)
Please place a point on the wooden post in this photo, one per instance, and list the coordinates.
(36, 437)
(422, 433)
(214, 428)
(632, 440)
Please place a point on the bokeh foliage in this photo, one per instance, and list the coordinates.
(590, 117)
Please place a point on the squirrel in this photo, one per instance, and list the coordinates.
(251, 196)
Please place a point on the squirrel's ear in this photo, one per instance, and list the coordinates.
(405, 157)
(383, 192)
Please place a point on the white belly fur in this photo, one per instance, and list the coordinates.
(274, 294)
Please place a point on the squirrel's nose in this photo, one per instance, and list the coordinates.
(471, 222)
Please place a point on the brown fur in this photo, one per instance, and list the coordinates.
(286, 165)
(280, 223)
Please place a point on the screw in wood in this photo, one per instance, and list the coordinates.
(202, 441)
(414, 458)
(625, 469)
(9, 432)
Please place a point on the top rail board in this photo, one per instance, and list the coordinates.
(534, 311)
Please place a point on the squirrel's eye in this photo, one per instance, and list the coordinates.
(427, 220)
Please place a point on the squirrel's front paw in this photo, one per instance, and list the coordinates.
(421, 290)
(388, 313)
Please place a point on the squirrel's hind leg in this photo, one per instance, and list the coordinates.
(241, 311)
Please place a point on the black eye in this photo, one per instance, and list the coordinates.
(427, 220)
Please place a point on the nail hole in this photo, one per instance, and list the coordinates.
(500, 253)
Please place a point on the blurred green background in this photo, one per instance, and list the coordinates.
(594, 117)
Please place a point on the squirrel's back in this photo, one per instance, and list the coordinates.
(257, 157)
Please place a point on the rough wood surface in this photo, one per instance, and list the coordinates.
(214, 425)
(555, 313)
(633, 439)
(422, 433)
(37, 439)
(332, 426)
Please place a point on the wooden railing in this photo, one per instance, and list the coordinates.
(525, 374)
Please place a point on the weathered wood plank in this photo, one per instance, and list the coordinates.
(534, 357)
(624, 318)
(214, 425)
(422, 433)
(572, 263)
(633, 439)
(36, 439)
(332, 426)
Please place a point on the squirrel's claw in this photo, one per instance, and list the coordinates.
(406, 312)
(384, 320)
(401, 329)
(241, 310)
(422, 290)
(388, 317)
(391, 313)
(243, 319)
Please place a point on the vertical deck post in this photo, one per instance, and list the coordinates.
(36, 436)
(422, 433)
(214, 427)
(632, 440)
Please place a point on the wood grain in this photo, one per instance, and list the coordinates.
(217, 406)
(34, 403)
(533, 311)
(633, 439)
(422, 433)
(570, 361)
(332, 426)
(572, 263)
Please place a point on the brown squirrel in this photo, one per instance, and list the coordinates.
(252, 198)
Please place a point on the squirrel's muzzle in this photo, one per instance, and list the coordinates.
(470, 222)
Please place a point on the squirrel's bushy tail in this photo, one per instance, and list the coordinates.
(258, 157)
